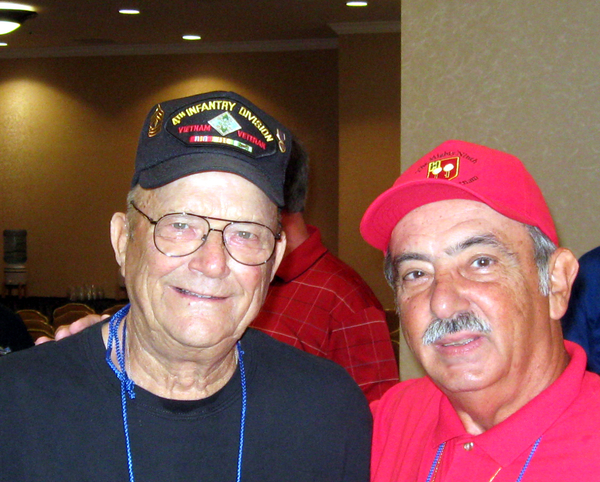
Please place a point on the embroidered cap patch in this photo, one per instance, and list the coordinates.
(227, 123)
(446, 169)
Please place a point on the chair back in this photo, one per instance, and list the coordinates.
(72, 307)
(37, 324)
(68, 317)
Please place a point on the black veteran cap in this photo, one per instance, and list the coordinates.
(215, 131)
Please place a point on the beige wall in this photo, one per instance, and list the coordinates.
(369, 143)
(69, 127)
(517, 76)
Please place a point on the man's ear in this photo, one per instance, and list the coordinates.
(279, 253)
(563, 270)
(119, 237)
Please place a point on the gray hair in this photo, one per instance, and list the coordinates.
(133, 196)
(543, 248)
(440, 327)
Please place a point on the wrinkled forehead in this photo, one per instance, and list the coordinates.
(213, 193)
(439, 224)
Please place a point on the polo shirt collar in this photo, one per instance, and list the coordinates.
(507, 440)
(303, 257)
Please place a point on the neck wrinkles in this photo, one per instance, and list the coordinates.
(177, 373)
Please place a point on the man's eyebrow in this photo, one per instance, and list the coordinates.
(478, 240)
(410, 256)
(487, 239)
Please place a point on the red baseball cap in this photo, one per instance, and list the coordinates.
(459, 170)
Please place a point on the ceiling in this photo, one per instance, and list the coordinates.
(97, 25)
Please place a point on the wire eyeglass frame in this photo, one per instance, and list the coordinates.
(202, 241)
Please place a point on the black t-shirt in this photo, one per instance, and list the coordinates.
(13, 332)
(61, 420)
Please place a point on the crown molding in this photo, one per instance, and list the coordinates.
(170, 49)
(346, 28)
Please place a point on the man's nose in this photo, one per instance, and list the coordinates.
(211, 258)
(448, 295)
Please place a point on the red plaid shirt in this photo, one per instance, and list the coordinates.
(319, 304)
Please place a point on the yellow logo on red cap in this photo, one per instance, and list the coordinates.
(446, 169)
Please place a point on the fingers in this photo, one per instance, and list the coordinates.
(65, 331)
(62, 331)
(85, 322)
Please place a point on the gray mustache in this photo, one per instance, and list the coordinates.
(440, 327)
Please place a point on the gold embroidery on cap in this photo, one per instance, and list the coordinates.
(281, 137)
(156, 121)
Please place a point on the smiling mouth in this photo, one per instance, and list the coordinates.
(197, 295)
(466, 341)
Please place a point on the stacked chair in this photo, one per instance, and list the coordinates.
(67, 314)
(37, 324)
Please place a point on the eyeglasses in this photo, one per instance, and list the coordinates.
(179, 234)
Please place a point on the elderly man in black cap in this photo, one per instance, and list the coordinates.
(174, 386)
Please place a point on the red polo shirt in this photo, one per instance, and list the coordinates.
(319, 304)
(415, 417)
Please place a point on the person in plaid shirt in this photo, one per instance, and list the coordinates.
(319, 304)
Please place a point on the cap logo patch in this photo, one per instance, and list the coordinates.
(156, 121)
(446, 169)
(225, 124)
(220, 140)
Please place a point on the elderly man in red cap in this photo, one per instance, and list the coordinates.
(481, 286)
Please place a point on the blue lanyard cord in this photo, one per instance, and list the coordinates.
(535, 446)
(243, 416)
(126, 431)
(127, 385)
(438, 454)
(113, 338)
(440, 450)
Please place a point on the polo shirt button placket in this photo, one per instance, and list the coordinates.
(468, 446)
